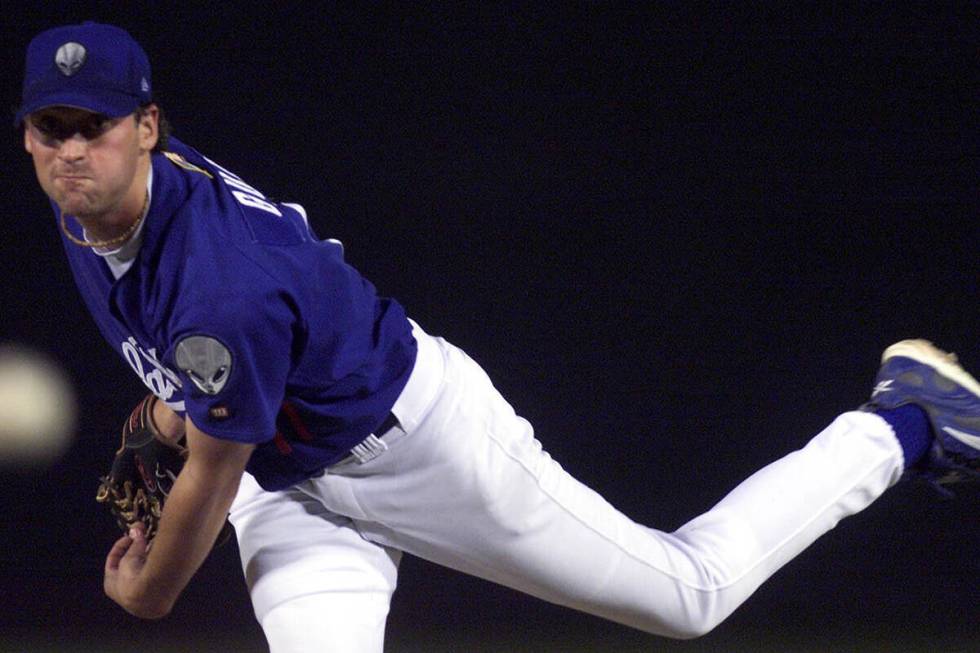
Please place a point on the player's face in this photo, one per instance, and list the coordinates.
(87, 162)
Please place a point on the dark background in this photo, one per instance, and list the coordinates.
(678, 239)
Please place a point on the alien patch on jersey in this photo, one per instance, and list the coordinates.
(205, 361)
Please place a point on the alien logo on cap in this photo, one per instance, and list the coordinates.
(70, 57)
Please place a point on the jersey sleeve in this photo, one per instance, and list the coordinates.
(233, 361)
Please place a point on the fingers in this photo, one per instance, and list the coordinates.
(124, 564)
(116, 553)
(137, 548)
(132, 546)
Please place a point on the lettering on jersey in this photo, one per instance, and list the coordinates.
(245, 194)
(206, 361)
(161, 381)
(259, 203)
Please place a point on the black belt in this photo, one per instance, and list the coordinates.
(389, 423)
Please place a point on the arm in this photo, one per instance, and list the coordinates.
(168, 423)
(146, 581)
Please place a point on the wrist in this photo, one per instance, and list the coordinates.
(146, 604)
(168, 423)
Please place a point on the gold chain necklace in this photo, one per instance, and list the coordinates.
(111, 242)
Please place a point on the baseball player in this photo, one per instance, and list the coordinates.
(336, 434)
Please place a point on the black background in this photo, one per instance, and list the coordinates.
(678, 239)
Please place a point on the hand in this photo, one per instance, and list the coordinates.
(123, 566)
(146, 576)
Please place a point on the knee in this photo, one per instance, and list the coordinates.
(694, 628)
(328, 621)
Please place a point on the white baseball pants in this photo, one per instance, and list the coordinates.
(464, 484)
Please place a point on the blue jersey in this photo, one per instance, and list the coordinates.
(236, 315)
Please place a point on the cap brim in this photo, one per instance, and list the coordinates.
(109, 104)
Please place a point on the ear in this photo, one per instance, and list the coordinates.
(28, 141)
(148, 127)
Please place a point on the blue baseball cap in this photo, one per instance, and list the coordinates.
(96, 67)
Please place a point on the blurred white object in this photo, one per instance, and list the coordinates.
(37, 407)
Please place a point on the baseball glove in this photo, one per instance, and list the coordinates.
(143, 472)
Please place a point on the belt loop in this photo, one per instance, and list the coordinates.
(369, 449)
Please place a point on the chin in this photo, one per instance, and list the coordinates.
(77, 207)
